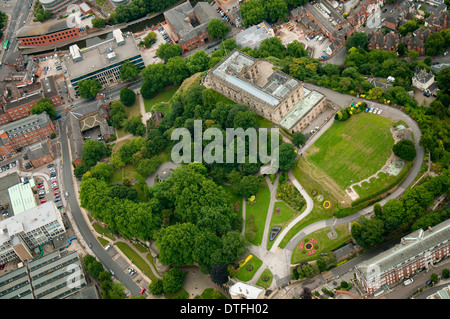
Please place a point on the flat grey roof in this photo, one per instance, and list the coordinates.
(301, 109)
(253, 36)
(95, 57)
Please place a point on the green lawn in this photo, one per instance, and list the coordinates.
(126, 171)
(351, 151)
(245, 275)
(234, 198)
(286, 215)
(259, 211)
(164, 96)
(324, 243)
(261, 282)
(137, 260)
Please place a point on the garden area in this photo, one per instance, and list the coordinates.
(256, 214)
(248, 268)
(163, 96)
(348, 152)
(318, 242)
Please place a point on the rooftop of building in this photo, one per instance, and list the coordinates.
(22, 197)
(29, 220)
(37, 151)
(301, 109)
(253, 36)
(189, 21)
(34, 96)
(423, 76)
(411, 246)
(324, 14)
(46, 27)
(102, 55)
(49, 87)
(26, 124)
(273, 85)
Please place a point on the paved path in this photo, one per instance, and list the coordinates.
(277, 260)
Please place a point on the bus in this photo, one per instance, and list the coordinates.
(6, 45)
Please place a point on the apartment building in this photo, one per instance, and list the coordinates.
(416, 252)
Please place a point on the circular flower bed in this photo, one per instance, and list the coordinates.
(314, 192)
(249, 267)
(265, 278)
(319, 198)
(309, 246)
(326, 204)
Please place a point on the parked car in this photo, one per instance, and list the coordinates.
(408, 281)
(56, 193)
(429, 282)
(313, 36)
(108, 247)
(379, 111)
(55, 188)
(426, 94)
(142, 291)
(57, 200)
(50, 165)
(43, 201)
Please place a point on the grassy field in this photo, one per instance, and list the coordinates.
(259, 211)
(261, 282)
(245, 275)
(349, 151)
(164, 96)
(324, 243)
(136, 259)
(286, 215)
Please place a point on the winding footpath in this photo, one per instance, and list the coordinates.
(278, 260)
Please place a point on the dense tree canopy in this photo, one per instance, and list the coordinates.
(217, 29)
(89, 88)
(44, 105)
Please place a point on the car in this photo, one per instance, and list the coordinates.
(2, 266)
(324, 56)
(53, 178)
(55, 188)
(89, 245)
(41, 196)
(429, 282)
(100, 138)
(108, 247)
(408, 281)
(375, 111)
(142, 291)
(127, 85)
(426, 94)
(43, 201)
(436, 63)
(379, 111)
(54, 181)
(112, 272)
(59, 206)
(50, 165)
(57, 200)
(384, 10)
(313, 36)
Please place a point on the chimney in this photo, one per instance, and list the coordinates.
(430, 229)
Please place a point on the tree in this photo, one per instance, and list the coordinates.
(244, 120)
(134, 125)
(168, 50)
(173, 280)
(443, 78)
(148, 166)
(198, 62)
(93, 151)
(154, 79)
(156, 287)
(219, 274)
(276, 10)
(405, 149)
(118, 114)
(98, 23)
(102, 171)
(176, 244)
(217, 29)
(127, 96)
(298, 139)
(434, 277)
(44, 105)
(306, 293)
(445, 273)
(248, 186)
(80, 170)
(271, 47)
(128, 71)
(435, 44)
(89, 88)
(149, 39)
(287, 156)
(47, 14)
(296, 49)
(252, 12)
(357, 40)
(176, 70)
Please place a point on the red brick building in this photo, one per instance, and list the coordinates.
(188, 26)
(417, 251)
(40, 153)
(24, 132)
(47, 33)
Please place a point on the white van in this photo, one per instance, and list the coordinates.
(108, 247)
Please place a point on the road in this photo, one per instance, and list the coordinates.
(104, 256)
(18, 15)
